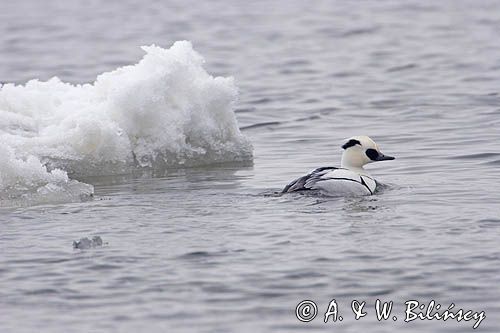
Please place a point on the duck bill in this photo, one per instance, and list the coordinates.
(383, 157)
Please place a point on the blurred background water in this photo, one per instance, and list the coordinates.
(211, 249)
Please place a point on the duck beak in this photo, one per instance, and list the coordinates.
(382, 157)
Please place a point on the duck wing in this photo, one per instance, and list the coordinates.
(334, 181)
(306, 182)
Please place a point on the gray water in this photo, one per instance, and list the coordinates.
(213, 249)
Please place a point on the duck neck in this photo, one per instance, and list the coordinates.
(359, 170)
(347, 164)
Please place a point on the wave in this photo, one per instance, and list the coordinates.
(165, 111)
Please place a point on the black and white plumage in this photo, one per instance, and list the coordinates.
(333, 180)
(348, 180)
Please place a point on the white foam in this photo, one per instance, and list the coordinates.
(164, 111)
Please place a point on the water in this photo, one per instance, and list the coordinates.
(211, 248)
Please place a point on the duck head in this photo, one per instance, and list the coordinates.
(361, 150)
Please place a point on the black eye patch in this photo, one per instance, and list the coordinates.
(372, 154)
(351, 143)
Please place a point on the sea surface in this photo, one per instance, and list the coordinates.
(212, 247)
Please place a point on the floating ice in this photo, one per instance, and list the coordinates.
(85, 243)
(164, 111)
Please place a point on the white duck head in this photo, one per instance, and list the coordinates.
(361, 150)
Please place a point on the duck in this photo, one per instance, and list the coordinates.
(350, 179)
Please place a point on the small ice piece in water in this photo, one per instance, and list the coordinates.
(85, 243)
(96, 241)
